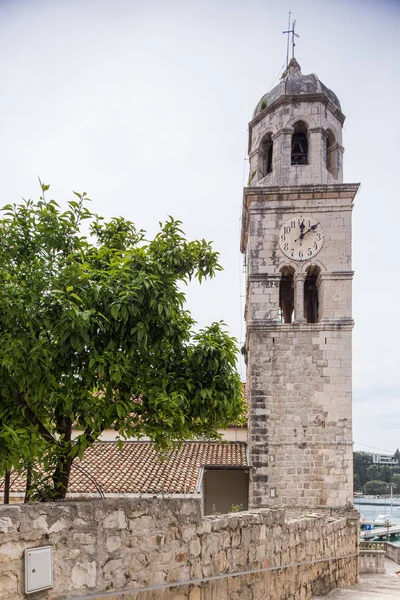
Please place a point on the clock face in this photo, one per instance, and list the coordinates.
(301, 237)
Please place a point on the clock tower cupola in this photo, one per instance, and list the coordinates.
(296, 238)
(297, 124)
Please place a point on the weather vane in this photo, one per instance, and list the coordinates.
(294, 35)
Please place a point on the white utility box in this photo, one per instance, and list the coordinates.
(38, 569)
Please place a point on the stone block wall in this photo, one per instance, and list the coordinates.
(300, 438)
(266, 210)
(299, 375)
(154, 549)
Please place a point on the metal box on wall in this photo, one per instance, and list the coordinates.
(38, 569)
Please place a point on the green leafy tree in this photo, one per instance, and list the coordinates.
(373, 472)
(386, 474)
(19, 443)
(361, 462)
(94, 334)
(356, 483)
(396, 484)
(376, 486)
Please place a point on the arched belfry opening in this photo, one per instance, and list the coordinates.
(311, 301)
(300, 144)
(286, 295)
(267, 154)
(331, 152)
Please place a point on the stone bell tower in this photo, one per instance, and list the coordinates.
(296, 237)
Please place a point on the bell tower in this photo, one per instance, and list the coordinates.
(296, 237)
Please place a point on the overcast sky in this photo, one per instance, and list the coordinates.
(144, 105)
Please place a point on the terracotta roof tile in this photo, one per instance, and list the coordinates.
(137, 468)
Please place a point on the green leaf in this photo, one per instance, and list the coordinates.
(76, 297)
(114, 311)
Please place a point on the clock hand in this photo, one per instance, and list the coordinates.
(312, 228)
(302, 227)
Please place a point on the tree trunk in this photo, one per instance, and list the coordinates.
(63, 447)
(7, 487)
(63, 469)
(28, 483)
(61, 477)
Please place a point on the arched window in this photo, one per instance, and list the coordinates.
(266, 153)
(286, 295)
(311, 302)
(300, 144)
(331, 153)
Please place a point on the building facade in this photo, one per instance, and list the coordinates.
(296, 238)
(385, 459)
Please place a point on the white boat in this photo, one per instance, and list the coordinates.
(382, 521)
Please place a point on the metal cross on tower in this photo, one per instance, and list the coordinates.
(294, 35)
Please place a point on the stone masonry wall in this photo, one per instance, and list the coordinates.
(155, 549)
(299, 375)
(300, 422)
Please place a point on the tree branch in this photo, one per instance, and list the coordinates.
(19, 400)
(7, 486)
(91, 436)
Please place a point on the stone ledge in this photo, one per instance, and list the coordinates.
(297, 191)
(337, 325)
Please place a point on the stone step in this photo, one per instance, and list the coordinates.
(386, 587)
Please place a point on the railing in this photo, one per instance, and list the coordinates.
(372, 545)
(373, 554)
(372, 561)
(392, 552)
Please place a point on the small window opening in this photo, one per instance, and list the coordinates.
(286, 295)
(331, 153)
(267, 154)
(311, 302)
(300, 144)
(269, 158)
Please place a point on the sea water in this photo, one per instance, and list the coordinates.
(379, 506)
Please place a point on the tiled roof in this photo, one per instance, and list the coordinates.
(137, 468)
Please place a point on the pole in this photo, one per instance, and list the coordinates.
(373, 508)
(293, 34)
(391, 501)
(287, 49)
